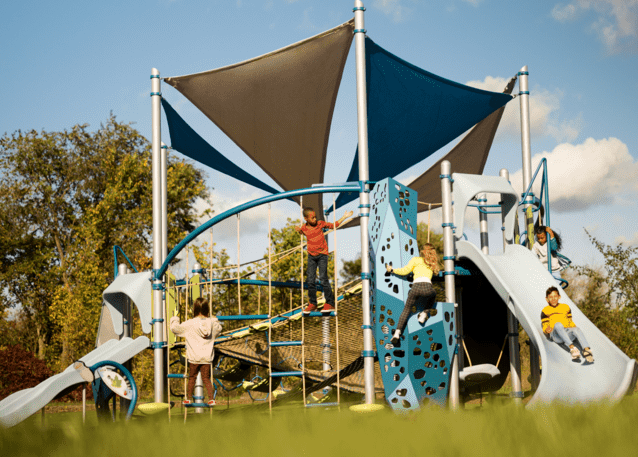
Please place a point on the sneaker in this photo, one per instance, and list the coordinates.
(588, 355)
(186, 402)
(310, 308)
(575, 353)
(423, 316)
(327, 309)
(211, 403)
(396, 337)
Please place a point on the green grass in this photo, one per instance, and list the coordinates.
(492, 430)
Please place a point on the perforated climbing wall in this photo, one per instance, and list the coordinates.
(417, 370)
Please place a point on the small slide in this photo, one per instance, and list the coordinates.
(521, 281)
(20, 405)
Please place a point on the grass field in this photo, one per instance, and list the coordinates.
(495, 429)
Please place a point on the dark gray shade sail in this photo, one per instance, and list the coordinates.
(278, 107)
(185, 140)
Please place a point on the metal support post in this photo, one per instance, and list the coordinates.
(512, 329)
(526, 148)
(158, 314)
(364, 198)
(448, 263)
(485, 244)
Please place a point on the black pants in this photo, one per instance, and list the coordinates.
(420, 291)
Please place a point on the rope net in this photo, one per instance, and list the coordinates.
(250, 343)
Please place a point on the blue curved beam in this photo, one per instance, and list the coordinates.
(238, 209)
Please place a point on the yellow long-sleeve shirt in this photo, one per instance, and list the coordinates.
(416, 265)
(560, 313)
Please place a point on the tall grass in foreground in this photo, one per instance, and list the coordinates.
(494, 431)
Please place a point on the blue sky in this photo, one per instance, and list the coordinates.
(71, 62)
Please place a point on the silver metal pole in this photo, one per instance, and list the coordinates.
(526, 144)
(526, 148)
(485, 243)
(512, 329)
(199, 392)
(122, 269)
(364, 199)
(163, 180)
(158, 328)
(448, 263)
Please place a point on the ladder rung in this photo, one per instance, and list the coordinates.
(315, 405)
(176, 375)
(243, 317)
(319, 314)
(282, 374)
(285, 343)
(198, 405)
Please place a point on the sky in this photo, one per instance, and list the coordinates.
(73, 62)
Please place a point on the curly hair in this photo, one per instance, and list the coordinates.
(431, 258)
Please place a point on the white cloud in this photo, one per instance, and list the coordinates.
(593, 173)
(627, 242)
(564, 13)
(393, 8)
(474, 3)
(543, 111)
(616, 21)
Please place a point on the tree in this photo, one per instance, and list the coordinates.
(352, 268)
(69, 197)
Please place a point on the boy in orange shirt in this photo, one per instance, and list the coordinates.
(557, 323)
(318, 258)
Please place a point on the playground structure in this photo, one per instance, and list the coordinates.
(433, 362)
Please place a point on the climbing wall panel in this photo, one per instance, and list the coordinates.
(417, 370)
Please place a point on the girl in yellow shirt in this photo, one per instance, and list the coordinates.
(423, 268)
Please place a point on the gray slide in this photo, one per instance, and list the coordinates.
(521, 281)
(20, 405)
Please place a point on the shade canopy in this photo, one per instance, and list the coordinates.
(278, 107)
(185, 140)
(412, 113)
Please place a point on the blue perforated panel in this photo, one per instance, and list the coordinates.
(417, 370)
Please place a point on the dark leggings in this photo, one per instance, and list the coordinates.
(420, 291)
(193, 369)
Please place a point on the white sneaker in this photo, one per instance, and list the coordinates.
(423, 316)
(396, 337)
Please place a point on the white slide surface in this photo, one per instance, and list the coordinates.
(20, 405)
(521, 281)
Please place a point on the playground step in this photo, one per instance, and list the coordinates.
(282, 374)
(285, 343)
(315, 405)
(243, 317)
(198, 405)
(320, 314)
(176, 375)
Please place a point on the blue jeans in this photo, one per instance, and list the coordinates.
(319, 261)
(560, 334)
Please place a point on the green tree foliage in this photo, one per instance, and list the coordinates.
(67, 198)
(352, 268)
(607, 294)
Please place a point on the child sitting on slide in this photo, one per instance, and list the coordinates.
(200, 333)
(557, 323)
(423, 268)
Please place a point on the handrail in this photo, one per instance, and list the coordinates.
(115, 249)
(238, 209)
